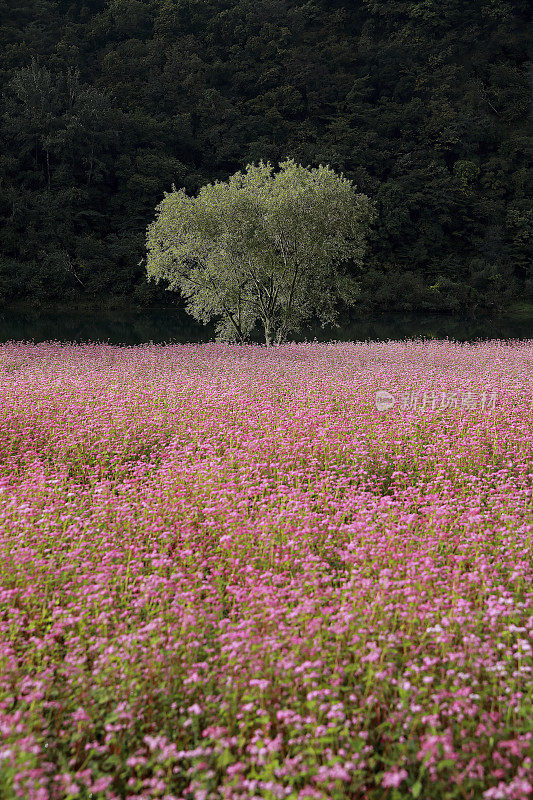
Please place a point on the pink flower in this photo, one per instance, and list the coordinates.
(80, 715)
(101, 784)
(393, 778)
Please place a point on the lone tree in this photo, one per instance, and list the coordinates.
(263, 247)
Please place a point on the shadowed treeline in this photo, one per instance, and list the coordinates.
(165, 325)
(104, 104)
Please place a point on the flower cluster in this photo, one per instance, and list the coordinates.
(225, 576)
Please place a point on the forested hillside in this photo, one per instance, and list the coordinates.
(424, 104)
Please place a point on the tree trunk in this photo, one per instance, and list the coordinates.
(280, 335)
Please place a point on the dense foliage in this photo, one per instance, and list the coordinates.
(224, 575)
(423, 103)
(264, 248)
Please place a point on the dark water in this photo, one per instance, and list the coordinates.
(168, 325)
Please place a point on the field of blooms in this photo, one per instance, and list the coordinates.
(225, 575)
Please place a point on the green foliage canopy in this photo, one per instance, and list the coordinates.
(263, 247)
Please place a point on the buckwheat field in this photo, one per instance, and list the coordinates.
(226, 575)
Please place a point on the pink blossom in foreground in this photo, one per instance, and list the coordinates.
(394, 777)
(225, 575)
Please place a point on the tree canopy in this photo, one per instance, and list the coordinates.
(424, 105)
(263, 247)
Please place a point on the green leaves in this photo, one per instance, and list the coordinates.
(264, 247)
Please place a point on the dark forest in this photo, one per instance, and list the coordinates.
(425, 105)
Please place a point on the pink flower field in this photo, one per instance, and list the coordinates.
(224, 574)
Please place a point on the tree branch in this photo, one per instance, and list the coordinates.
(258, 287)
(227, 311)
